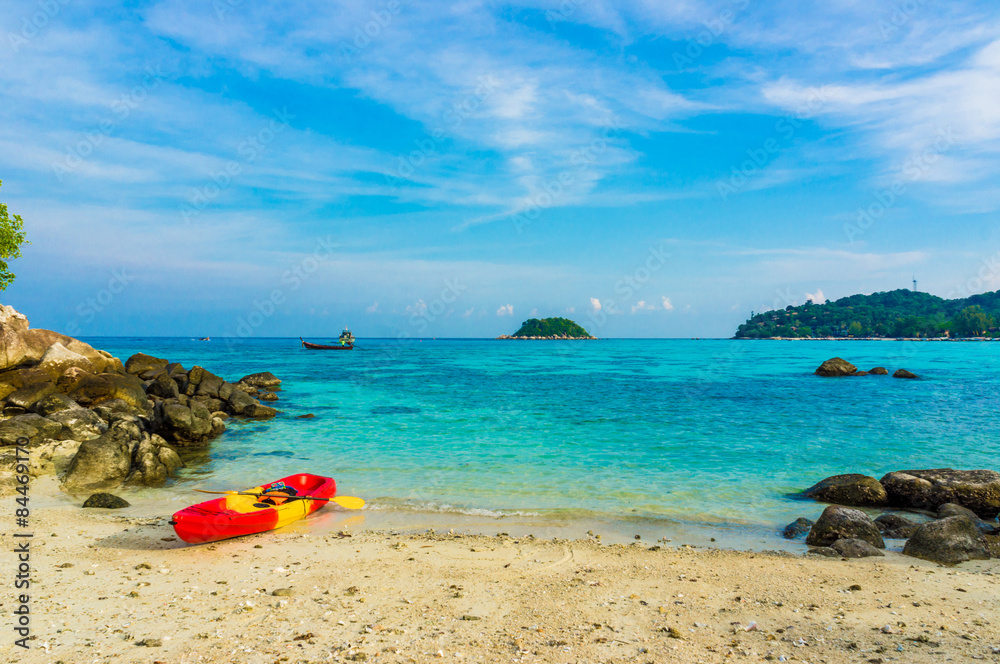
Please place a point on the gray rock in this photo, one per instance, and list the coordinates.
(838, 522)
(53, 404)
(104, 462)
(259, 412)
(140, 363)
(825, 551)
(268, 396)
(836, 367)
(209, 385)
(28, 396)
(46, 428)
(978, 490)
(11, 430)
(94, 390)
(879, 371)
(79, 423)
(153, 461)
(903, 373)
(951, 509)
(117, 410)
(855, 548)
(263, 379)
(106, 501)
(894, 526)
(949, 541)
(794, 530)
(226, 391)
(183, 424)
(853, 489)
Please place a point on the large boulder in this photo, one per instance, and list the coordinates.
(838, 523)
(852, 489)
(978, 490)
(893, 526)
(209, 385)
(239, 401)
(140, 363)
(57, 359)
(184, 425)
(25, 376)
(879, 371)
(70, 378)
(106, 501)
(855, 548)
(163, 386)
(836, 367)
(38, 341)
(262, 379)
(951, 509)
(52, 457)
(153, 461)
(28, 396)
(104, 462)
(53, 404)
(93, 390)
(260, 412)
(903, 373)
(30, 426)
(948, 541)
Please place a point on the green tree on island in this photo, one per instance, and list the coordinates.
(972, 322)
(11, 238)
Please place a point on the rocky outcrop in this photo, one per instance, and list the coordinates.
(949, 541)
(797, 528)
(903, 373)
(838, 523)
(153, 461)
(853, 489)
(893, 526)
(879, 371)
(977, 490)
(104, 462)
(855, 548)
(836, 367)
(95, 389)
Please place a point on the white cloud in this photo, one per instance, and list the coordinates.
(817, 297)
(373, 308)
(417, 309)
(595, 304)
(642, 306)
(506, 310)
(667, 304)
(469, 312)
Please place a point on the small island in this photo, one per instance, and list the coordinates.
(549, 329)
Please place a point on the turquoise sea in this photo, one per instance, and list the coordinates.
(644, 435)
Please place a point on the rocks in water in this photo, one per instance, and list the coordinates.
(836, 367)
(948, 541)
(796, 529)
(106, 500)
(260, 412)
(309, 416)
(903, 373)
(268, 396)
(163, 386)
(855, 548)
(95, 389)
(894, 526)
(263, 379)
(978, 490)
(140, 363)
(838, 522)
(104, 462)
(240, 401)
(851, 489)
(951, 509)
(879, 371)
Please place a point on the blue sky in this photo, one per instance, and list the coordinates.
(450, 169)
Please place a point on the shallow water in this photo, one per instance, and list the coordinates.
(638, 433)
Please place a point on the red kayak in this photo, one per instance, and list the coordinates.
(236, 515)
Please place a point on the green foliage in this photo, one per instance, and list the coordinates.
(899, 313)
(550, 327)
(11, 238)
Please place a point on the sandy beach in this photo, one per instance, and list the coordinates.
(108, 588)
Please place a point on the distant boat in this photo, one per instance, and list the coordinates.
(205, 339)
(312, 346)
(346, 337)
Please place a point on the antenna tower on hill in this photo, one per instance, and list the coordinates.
(914, 284)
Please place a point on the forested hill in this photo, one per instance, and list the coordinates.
(551, 328)
(898, 313)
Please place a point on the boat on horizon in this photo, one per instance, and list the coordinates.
(346, 342)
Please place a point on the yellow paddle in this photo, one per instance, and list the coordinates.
(347, 502)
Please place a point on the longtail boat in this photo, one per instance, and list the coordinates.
(312, 346)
